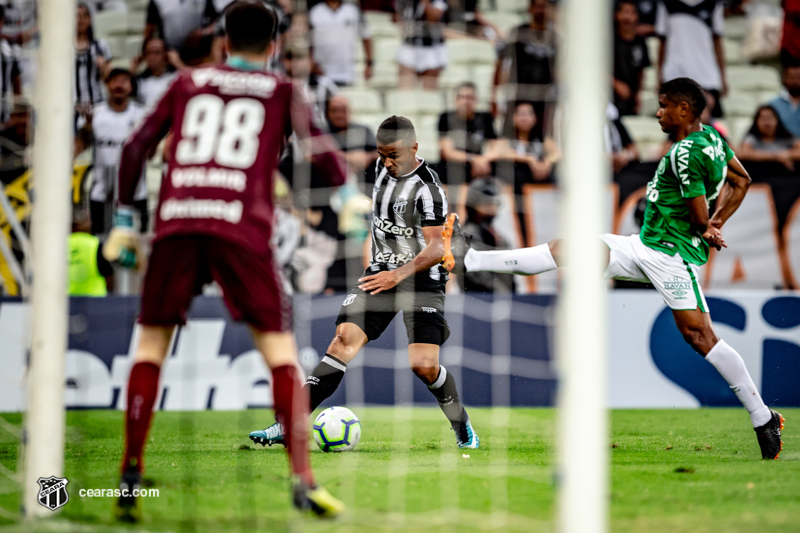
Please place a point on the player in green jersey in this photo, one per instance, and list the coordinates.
(675, 239)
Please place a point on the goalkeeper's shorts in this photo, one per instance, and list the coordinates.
(251, 282)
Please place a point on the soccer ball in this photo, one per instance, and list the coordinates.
(337, 430)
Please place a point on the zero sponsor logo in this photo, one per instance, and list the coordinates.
(391, 228)
(192, 208)
(393, 259)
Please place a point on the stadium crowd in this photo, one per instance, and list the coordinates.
(479, 80)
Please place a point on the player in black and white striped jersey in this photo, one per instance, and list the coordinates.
(91, 60)
(405, 274)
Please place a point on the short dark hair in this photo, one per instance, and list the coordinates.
(250, 26)
(466, 85)
(395, 129)
(685, 90)
(620, 3)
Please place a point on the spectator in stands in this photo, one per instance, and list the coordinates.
(90, 274)
(107, 5)
(92, 57)
(647, 17)
(157, 75)
(533, 157)
(336, 28)
(16, 136)
(790, 41)
(769, 140)
(112, 122)
(691, 44)
(527, 62)
(464, 16)
(10, 86)
(422, 55)
(620, 146)
(467, 140)
(787, 104)
(21, 28)
(356, 140)
(630, 58)
(318, 88)
(173, 21)
(483, 200)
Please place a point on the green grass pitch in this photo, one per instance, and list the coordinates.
(672, 471)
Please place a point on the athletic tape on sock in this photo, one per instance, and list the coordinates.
(335, 363)
(440, 380)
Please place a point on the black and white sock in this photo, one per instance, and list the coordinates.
(324, 380)
(446, 393)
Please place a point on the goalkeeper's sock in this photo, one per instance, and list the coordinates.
(730, 365)
(142, 392)
(446, 393)
(525, 261)
(291, 410)
(324, 379)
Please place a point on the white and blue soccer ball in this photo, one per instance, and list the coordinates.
(337, 429)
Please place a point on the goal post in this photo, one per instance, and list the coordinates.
(582, 444)
(52, 164)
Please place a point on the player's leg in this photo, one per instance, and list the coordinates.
(169, 285)
(459, 257)
(695, 326)
(249, 278)
(424, 360)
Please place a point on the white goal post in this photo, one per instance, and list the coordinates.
(582, 444)
(50, 226)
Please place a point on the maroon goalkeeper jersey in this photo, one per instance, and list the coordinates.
(229, 128)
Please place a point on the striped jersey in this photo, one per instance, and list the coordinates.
(401, 207)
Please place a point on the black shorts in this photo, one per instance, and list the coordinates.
(423, 314)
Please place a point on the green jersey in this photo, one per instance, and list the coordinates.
(695, 166)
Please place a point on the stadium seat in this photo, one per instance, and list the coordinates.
(363, 100)
(738, 128)
(512, 6)
(383, 27)
(470, 52)
(414, 102)
(648, 103)
(653, 44)
(117, 46)
(384, 76)
(377, 18)
(733, 52)
(427, 128)
(385, 51)
(504, 21)
(650, 79)
(371, 120)
(735, 27)
(644, 129)
(454, 75)
(753, 78)
(739, 104)
(136, 23)
(483, 77)
(108, 23)
(133, 46)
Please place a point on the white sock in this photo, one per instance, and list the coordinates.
(729, 364)
(525, 261)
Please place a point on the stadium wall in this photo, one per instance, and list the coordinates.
(500, 349)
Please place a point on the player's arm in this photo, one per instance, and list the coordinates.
(153, 127)
(698, 211)
(736, 184)
(316, 145)
(430, 256)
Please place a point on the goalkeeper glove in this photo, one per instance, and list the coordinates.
(122, 245)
